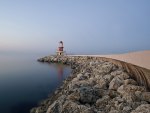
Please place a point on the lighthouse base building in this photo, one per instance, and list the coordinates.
(59, 53)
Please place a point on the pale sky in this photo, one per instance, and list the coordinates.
(85, 26)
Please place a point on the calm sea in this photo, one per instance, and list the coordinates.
(24, 82)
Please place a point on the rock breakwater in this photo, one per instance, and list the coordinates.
(98, 85)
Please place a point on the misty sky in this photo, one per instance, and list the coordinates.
(85, 26)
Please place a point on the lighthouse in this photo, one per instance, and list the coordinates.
(60, 48)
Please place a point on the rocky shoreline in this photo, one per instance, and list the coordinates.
(98, 85)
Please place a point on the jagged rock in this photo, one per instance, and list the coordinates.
(127, 108)
(129, 88)
(120, 106)
(87, 95)
(56, 107)
(114, 111)
(119, 99)
(99, 92)
(115, 83)
(144, 108)
(102, 101)
(108, 78)
(130, 81)
(101, 83)
(92, 81)
(112, 93)
(74, 96)
(106, 67)
(145, 96)
(89, 110)
(116, 72)
(128, 92)
(72, 107)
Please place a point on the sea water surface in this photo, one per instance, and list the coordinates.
(24, 82)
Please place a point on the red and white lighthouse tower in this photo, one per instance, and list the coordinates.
(60, 50)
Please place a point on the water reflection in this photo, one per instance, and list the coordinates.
(60, 71)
